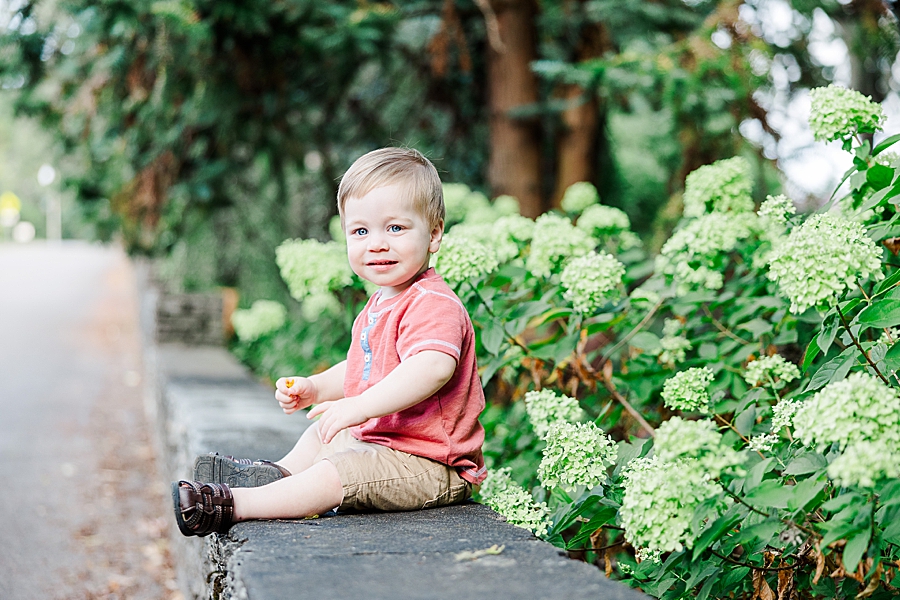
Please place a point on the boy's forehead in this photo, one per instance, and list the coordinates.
(389, 200)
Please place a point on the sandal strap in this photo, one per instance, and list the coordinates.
(206, 507)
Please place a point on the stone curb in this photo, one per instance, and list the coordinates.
(202, 400)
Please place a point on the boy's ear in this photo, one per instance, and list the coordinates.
(437, 234)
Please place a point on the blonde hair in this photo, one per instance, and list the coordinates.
(405, 167)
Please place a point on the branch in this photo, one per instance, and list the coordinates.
(859, 346)
(492, 24)
(631, 334)
(724, 329)
(743, 564)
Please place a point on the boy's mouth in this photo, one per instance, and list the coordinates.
(381, 263)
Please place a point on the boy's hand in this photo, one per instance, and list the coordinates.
(295, 393)
(337, 416)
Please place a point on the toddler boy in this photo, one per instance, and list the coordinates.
(398, 419)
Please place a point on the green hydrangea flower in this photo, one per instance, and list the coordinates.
(599, 220)
(503, 246)
(316, 306)
(461, 258)
(592, 280)
(516, 227)
(577, 454)
(336, 230)
(546, 408)
(696, 254)
(858, 409)
(506, 206)
(763, 442)
(837, 113)
(783, 414)
(674, 345)
(554, 240)
(864, 463)
(311, 267)
(660, 499)
(687, 390)
(579, 196)
(512, 501)
(678, 438)
(641, 296)
(777, 209)
(724, 186)
(264, 316)
(771, 370)
(821, 259)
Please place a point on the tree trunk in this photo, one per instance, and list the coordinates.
(576, 155)
(515, 155)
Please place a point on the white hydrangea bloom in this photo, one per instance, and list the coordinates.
(512, 501)
(336, 230)
(687, 390)
(836, 113)
(506, 205)
(858, 409)
(515, 227)
(264, 316)
(696, 254)
(659, 503)
(592, 280)
(316, 306)
(600, 220)
(771, 370)
(674, 345)
(679, 438)
(642, 296)
(504, 247)
(579, 196)
(822, 258)
(783, 414)
(545, 408)
(777, 209)
(863, 463)
(763, 442)
(462, 204)
(724, 186)
(311, 267)
(577, 454)
(461, 258)
(554, 240)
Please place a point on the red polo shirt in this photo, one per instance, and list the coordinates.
(425, 316)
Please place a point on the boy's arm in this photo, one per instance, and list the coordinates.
(303, 391)
(418, 377)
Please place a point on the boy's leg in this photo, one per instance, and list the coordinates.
(313, 491)
(303, 455)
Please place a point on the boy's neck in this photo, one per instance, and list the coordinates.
(393, 292)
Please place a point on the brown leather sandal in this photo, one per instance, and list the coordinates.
(237, 472)
(202, 508)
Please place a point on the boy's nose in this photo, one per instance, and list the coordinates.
(377, 242)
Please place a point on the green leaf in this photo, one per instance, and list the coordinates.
(771, 493)
(603, 517)
(812, 351)
(885, 144)
(807, 490)
(708, 586)
(808, 462)
(855, 548)
(756, 473)
(715, 531)
(745, 421)
(887, 283)
(646, 341)
(877, 198)
(757, 327)
(882, 313)
(892, 532)
(834, 370)
(701, 575)
(492, 336)
(879, 176)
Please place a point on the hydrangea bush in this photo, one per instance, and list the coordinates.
(719, 421)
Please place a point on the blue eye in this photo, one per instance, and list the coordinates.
(360, 231)
(395, 229)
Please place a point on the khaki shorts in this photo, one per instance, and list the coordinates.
(376, 477)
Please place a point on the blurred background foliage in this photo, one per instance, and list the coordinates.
(206, 132)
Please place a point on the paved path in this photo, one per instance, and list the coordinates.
(84, 513)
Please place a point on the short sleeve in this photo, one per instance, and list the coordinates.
(434, 321)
